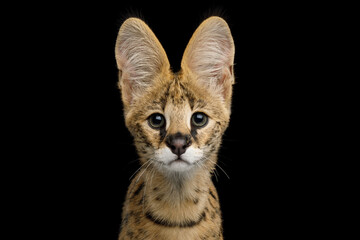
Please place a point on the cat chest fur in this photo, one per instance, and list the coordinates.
(157, 213)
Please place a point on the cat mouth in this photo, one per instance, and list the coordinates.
(179, 161)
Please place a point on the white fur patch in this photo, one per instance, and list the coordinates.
(164, 155)
(192, 155)
(168, 160)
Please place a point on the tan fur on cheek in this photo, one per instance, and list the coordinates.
(152, 134)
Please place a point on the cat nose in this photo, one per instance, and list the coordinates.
(178, 143)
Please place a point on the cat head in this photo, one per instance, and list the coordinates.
(177, 119)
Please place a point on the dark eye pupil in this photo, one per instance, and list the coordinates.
(198, 118)
(157, 119)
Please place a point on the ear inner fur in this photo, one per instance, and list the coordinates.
(140, 58)
(209, 56)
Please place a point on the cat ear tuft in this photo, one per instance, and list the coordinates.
(209, 55)
(139, 57)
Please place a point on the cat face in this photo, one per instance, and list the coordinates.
(177, 120)
(178, 126)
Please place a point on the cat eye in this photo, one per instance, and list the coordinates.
(199, 119)
(156, 120)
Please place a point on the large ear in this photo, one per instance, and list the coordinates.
(209, 56)
(139, 57)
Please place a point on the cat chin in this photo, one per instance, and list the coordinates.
(170, 163)
(178, 172)
(178, 166)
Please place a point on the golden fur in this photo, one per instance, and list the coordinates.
(164, 202)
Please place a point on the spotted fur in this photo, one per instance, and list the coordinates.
(170, 199)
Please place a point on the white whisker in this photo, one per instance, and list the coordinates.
(139, 168)
(222, 170)
(142, 173)
(143, 198)
(217, 165)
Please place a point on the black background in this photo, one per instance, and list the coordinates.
(85, 155)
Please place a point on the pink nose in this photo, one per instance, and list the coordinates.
(178, 143)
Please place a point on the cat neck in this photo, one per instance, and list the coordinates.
(177, 187)
(182, 199)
